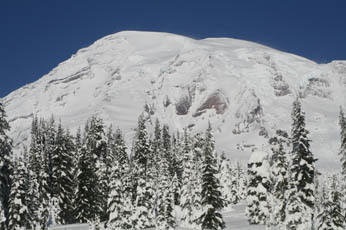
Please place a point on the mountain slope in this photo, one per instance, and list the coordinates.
(244, 89)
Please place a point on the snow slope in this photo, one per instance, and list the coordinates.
(244, 89)
(235, 220)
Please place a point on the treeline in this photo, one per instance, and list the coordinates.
(286, 190)
(90, 177)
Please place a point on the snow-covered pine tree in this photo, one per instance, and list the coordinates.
(96, 144)
(88, 207)
(54, 211)
(5, 164)
(342, 154)
(2, 215)
(39, 174)
(142, 189)
(177, 156)
(167, 149)
(302, 173)
(140, 150)
(170, 221)
(197, 159)
(279, 175)
(62, 176)
(175, 186)
(49, 133)
(141, 212)
(90, 198)
(156, 149)
(19, 213)
(211, 197)
(237, 183)
(126, 196)
(76, 157)
(297, 215)
(165, 198)
(187, 183)
(241, 181)
(330, 216)
(258, 184)
(115, 201)
(108, 160)
(226, 180)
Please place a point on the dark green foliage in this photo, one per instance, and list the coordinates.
(211, 198)
(88, 206)
(62, 175)
(331, 216)
(301, 197)
(257, 188)
(279, 174)
(20, 215)
(302, 169)
(5, 164)
(39, 189)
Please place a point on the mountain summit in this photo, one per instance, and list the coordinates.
(244, 89)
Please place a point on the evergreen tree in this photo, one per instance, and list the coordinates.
(167, 149)
(126, 197)
(236, 183)
(141, 212)
(258, 187)
(241, 181)
(49, 133)
(330, 216)
(297, 216)
(2, 215)
(177, 165)
(96, 145)
(19, 212)
(227, 186)
(76, 153)
(142, 184)
(5, 164)
(62, 176)
(342, 154)
(279, 175)
(187, 183)
(211, 197)
(54, 212)
(165, 215)
(302, 173)
(115, 201)
(125, 179)
(39, 189)
(141, 150)
(88, 207)
(196, 179)
(90, 196)
(156, 150)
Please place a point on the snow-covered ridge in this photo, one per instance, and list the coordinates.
(244, 89)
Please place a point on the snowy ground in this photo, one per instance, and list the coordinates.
(235, 220)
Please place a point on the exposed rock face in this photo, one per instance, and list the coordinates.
(281, 88)
(183, 105)
(317, 87)
(216, 101)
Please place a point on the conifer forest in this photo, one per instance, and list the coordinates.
(164, 180)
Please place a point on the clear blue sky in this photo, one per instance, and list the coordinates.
(36, 35)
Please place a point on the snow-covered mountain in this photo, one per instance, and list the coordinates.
(244, 89)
